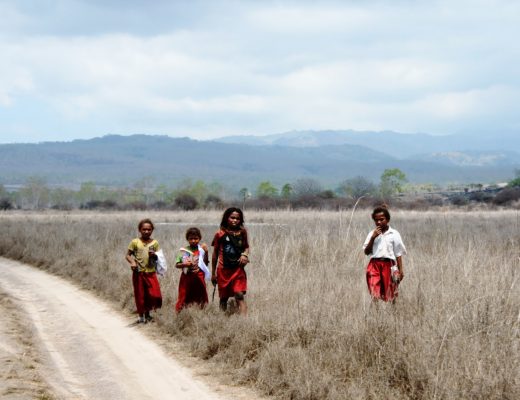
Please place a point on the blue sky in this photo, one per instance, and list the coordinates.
(80, 69)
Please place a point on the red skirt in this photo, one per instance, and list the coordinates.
(192, 290)
(231, 281)
(147, 292)
(379, 280)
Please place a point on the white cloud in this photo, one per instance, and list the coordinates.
(231, 67)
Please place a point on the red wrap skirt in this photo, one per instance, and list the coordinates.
(379, 280)
(147, 292)
(192, 290)
(231, 281)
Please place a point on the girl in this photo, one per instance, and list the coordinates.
(143, 260)
(385, 248)
(193, 260)
(230, 256)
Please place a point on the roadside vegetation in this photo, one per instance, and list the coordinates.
(312, 332)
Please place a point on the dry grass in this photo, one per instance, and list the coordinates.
(312, 332)
(21, 373)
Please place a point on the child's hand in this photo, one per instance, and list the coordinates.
(377, 232)
(243, 260)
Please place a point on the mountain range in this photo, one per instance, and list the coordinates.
(236, 161)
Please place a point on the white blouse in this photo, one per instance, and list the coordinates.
(387, 245)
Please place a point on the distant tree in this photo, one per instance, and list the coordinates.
(392, 181)
(307, 187)
(5, 201)
(186, 201)
(287, 191)
(507, 195)
(266, 189)
(198, 189)
(515, 182)
(87, 192)
(459, 200)
(213, 201)
(35, 193)
(358, 187)
(62, 199)
(327, 194)
(161, 194)
(244, 195)
(5, 204)
(3, 191)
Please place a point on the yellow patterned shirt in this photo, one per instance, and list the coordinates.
(140, 252)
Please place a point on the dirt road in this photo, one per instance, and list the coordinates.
(87, 350)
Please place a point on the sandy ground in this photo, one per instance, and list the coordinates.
(64, 343)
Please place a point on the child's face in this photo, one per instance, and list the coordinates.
(381, 221)
(146, 231)
(233, 220)
(193, 240)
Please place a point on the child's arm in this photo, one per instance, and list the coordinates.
(206, 253)
(399, 261)
(131, 259)
(214, 260)
(244, 256)
(375, 233)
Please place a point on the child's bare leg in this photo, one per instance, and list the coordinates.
(242, 306)
(223, 303)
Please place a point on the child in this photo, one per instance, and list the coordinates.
(385, 248)
(142, 259)
(230, 256)
(193, 260)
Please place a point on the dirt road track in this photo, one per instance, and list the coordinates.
(88, 350)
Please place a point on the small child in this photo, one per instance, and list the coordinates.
(385, 248)
(193, 261)
(141, 256)
(230, 256)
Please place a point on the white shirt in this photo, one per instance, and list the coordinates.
(387, 245)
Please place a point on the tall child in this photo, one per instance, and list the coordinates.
(143, 260)
(385, 248)
(230, 256)
(193, 260)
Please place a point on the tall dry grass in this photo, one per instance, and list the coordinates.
(312, 331)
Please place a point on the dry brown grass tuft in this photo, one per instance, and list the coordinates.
(312, 332)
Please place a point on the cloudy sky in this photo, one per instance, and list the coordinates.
(74, 69)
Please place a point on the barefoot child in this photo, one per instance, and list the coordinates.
(385, 248)
(193, 260)
(230, 256)
(142, 259)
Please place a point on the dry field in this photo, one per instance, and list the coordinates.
(312, 331)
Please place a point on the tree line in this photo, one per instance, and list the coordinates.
(189, 195)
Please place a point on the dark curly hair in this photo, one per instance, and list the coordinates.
(145, 221)
(381, 209)
(227, 213)
(193, 232)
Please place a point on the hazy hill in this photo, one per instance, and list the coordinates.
(122, 160)
(504, 147)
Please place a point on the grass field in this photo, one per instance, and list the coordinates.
(312, 330)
